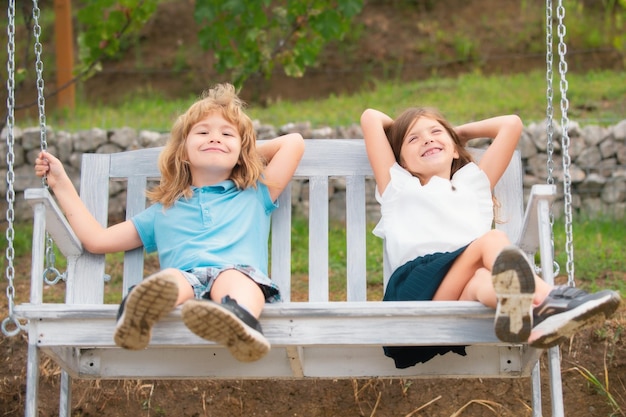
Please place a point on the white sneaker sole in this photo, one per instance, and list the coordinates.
(213, 322)
(560, 327)
(147, 303)
(514, 283)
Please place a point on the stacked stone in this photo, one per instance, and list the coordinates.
(597, 163)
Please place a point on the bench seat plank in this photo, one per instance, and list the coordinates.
(299, 324)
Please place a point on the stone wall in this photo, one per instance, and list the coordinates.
(597, 169)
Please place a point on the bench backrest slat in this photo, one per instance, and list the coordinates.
(509, 192)
(135, 204)
(280, 254)
(318, 238)
(356, 248)
(94, 191)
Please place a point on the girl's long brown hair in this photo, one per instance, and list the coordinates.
(174, 162)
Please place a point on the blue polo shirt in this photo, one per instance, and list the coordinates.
(219, 226)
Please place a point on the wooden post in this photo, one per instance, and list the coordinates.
(64, 53)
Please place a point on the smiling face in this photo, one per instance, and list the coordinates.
(213, 147)
(428, 150)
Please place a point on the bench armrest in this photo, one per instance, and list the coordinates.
(56, 223)
(536, 217)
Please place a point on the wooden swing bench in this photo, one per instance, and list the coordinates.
(313, 339)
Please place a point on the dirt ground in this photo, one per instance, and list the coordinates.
(388, 47)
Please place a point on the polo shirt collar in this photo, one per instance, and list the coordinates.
(219, 187)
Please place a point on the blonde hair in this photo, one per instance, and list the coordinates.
(174, 162)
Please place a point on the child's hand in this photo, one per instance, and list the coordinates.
(50, 167)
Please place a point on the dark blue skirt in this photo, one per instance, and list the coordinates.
(418, 280)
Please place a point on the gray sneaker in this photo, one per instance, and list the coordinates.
(146, 303)
(514, 283)
(227, 324)
(567, 310)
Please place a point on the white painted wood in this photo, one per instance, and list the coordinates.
(56, 224)
(319, 362)
(38, 253)
(87, 285)
(313, 339)
(318, 238)
(529, 240)
(356, 250)
(280, 254)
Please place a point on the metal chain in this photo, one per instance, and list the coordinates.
(10, 325)
(41, 100)
(550, 119)
(549, 93)
(50, 275)
(565, 142)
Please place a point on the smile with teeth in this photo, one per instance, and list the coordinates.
(431, 151)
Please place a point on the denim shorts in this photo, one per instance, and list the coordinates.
(202, 279)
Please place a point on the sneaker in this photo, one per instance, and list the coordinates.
(145, 304)
(514, 283)
(567, 310)
(227, 324)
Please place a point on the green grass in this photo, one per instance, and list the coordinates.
(598, 253)
(594, 98)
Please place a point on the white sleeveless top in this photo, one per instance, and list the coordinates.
(441, 216)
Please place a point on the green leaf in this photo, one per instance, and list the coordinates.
(250, 36)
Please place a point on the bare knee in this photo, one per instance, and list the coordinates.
(241, 288)
(185, 290)
(497, 237)
(490, 245)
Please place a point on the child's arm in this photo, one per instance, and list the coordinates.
(505, 131)
(379, 152)
(93, 236)
(283, 155)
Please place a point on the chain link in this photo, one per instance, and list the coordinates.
(51, 275)
(10, 325)
(549, 93)
(550, 118)
(565, 142)
(41, 100)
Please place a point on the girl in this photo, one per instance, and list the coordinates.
(437, 214)
(209, 223)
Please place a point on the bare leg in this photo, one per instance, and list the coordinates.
(480, 288)
(470, 275)
(230, 319)
(239, 287)
(481, 253)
